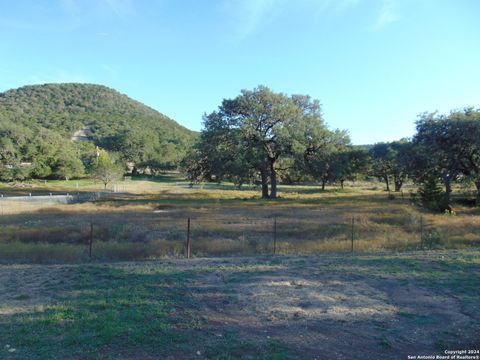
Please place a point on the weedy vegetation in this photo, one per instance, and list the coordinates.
(148, 219)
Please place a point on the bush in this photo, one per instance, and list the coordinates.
(432, 196)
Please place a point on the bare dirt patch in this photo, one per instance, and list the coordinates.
(380, 306)
(322, 307)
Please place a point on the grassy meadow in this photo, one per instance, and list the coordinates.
(146, 218)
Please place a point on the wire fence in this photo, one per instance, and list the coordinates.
(130, 236)
(33, 229)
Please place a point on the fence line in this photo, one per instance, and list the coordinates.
(188, 236)
(189, 246)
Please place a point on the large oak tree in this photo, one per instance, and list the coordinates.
(255, 131)
(448, 148)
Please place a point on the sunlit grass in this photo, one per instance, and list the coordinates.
(149, 220)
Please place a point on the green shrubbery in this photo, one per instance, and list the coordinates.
(37, 122)
(432, 196)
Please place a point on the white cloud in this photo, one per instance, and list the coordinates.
(388, 14)
(247, 15)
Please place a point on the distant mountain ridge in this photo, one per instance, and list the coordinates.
(136, 132)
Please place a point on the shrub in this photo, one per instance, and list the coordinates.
(432, 196)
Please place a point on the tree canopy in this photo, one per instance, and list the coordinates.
(256, 134)
(37, 124)
(391, 161)
(447, 148)
(105, 169)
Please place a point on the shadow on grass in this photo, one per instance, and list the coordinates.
(183, 309)
(101, 311)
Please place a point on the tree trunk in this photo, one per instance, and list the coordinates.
(263, 174)
(448, 186)
(398, 185)
(387, 183)
(323, 184)
(341, 183)
(273, 180)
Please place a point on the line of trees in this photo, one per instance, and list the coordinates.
(55, 157)
(261, 137)
(40, 153)
(27, 153)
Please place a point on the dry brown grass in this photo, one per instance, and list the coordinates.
(226, 221)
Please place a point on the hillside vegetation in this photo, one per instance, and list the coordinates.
(37, 123)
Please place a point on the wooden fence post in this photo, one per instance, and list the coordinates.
(187, 249)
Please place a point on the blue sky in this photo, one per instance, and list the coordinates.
(373, 64)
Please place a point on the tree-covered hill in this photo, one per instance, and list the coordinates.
(37, 123)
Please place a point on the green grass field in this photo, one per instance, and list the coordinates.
(284, 307)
